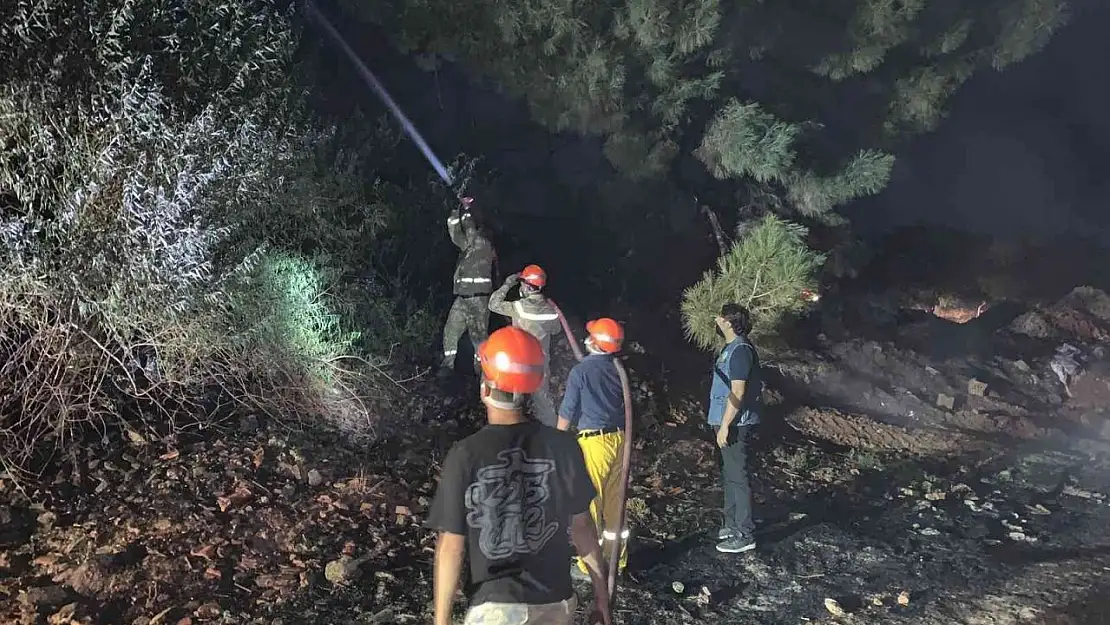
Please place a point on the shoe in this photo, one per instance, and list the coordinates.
(736, 544)
(445, 373)
(578, 575)
(725, 533)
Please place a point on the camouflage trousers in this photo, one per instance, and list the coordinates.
(470, 315)
(561, 613)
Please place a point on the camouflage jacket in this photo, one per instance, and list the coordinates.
(474, 271)
(533, 314)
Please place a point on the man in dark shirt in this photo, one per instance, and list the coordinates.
(594, 403)
(734, 399)
(509, 497)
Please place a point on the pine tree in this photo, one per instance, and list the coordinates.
(747, 86)
(767, 270)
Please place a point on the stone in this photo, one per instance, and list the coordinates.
(946, 401)
(976, 387)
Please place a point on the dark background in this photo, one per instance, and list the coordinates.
(1024, 153)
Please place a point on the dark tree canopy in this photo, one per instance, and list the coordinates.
(807, 97)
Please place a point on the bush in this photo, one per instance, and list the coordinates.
(170, 231)
(283, 308)
(766, 270)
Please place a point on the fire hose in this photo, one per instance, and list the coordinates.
(444, 174)
(626, 457)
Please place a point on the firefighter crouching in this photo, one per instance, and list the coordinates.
(534, 314)
(472, 285)
(594, 404)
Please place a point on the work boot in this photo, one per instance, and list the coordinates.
(736, 544)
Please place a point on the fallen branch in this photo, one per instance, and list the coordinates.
(718, 234)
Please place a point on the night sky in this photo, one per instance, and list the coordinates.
(1024, 152)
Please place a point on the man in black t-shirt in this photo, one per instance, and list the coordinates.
(511, 500)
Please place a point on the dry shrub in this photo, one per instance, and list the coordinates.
(64, 374)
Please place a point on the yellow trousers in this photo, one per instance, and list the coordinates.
(603, 455)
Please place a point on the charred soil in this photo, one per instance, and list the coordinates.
(875, 503)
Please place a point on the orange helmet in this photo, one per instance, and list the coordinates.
(534, 275)
(512, 360)
(606, 334)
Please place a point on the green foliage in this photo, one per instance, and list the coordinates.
(766, 271)
(744, 140)
(284, 308)
(747, 87)
(174, 219)
(866, 174)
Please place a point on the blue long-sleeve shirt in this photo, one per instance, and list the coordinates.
(594, 399)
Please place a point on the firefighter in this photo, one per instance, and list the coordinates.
(472, 285)
(534, 313)
(509, 498)
(594, 404)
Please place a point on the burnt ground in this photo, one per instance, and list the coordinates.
(875, 505)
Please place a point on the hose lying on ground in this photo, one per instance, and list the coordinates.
(626, 458)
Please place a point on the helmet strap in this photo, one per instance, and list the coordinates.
(487, 397)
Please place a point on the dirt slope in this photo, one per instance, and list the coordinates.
(959, 387)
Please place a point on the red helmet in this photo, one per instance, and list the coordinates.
(534, 275)
(512, 360)
(606, 334)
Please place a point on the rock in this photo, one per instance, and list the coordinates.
(46, 520)
(47, 596)
(64, 616)
(904, 598)
(929, 531)
(1032, 324)
(946, 401)
(342, 570)
(678, 587)
(208, 610)
(1022, 366)
(976, 387)
(315, 478)
(833, 606)
(936, 495)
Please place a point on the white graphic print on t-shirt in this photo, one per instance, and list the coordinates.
(507, 505)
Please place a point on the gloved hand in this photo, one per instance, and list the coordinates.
(513, 278)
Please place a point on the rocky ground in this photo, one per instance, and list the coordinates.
(905, 491)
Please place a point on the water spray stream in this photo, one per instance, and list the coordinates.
(379, 89)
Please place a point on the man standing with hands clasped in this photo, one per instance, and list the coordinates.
(512, 499)
(733, 409)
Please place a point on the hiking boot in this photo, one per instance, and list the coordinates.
(725, 533)
(445, 373)
(736, 544)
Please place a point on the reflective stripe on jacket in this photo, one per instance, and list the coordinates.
(474, 271)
